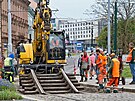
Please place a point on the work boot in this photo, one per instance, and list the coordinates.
(107, 90)
(115, 91)
(86, 79)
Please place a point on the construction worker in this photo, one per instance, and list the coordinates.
(85, 66)
(131, 60)
(9, 69)
(80, 63)
(104, 63)
(113, 74)
(100, 68)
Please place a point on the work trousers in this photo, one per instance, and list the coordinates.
(101, 75)
(84, 72)
(132, 68)
(113, 80)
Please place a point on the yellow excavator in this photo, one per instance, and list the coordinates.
(47, 50)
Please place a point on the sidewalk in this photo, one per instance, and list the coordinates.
(92, 83)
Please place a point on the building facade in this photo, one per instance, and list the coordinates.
(82, 31)
(19, 20)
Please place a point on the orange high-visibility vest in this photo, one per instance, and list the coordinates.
(98, 60)
(129, 57)
(104, 60)
(116, 66)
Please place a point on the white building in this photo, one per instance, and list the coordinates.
(81, 31)
(31, 15)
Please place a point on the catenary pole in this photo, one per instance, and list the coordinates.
(109, 38)
(9, 28)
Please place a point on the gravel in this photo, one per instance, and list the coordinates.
(124, 96)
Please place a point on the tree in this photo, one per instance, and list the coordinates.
(126, 34)
(126, 9)
(126, 22)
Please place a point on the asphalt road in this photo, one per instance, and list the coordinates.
(72, 61)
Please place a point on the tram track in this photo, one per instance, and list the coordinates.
(40, 83)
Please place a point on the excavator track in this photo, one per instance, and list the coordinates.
(41, 83)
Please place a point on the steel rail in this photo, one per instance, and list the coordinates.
(68, 80)
(37, 82)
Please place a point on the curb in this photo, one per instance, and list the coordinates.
(123, 89)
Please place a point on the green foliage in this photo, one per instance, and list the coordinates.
(4, 84)
(102, 39)
(126, 72)
(9, 95)
(8, 91)
(125, 34)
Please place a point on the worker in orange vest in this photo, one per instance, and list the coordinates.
(104, 63)
(131, 60)
(113, 74)
(100, 68)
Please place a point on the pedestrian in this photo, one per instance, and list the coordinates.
(131, 60)
(100, 68)
(85, 66)
(121, 69)
(113, 74)
(92, 65)
(80, 63)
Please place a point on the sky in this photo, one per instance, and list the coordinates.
(71, 8)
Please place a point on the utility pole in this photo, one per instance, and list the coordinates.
(115, 27)
(1, 27)
(92, 35)
(9, 29)
(109, 40)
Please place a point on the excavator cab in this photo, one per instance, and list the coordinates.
(56, 47)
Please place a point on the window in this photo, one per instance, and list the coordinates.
(78, 36)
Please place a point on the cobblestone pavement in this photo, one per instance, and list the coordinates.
(86, 97)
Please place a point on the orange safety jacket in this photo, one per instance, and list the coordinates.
(99, 61)
(129, 57)
(115, 68)
(104, 58)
